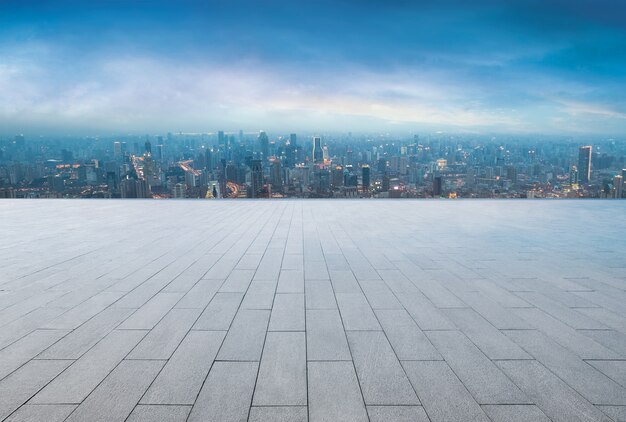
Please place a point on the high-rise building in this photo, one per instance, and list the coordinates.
(117, 149)
(618, 186)
(178, 190)
(584, 164)
(256, 180)
(437, 186)
(318, 153)
(148, 147)
(365, 177)
(276, 176)
(264, 144)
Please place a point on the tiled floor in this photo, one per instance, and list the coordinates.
(312, 310)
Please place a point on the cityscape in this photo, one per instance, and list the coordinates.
(265, 165)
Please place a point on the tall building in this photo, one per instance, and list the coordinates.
(276, 176)
(365, 177)
(178, 190)
(618, 185)
(318, 153)
(117, 149)
(437, 186)
(584, 164)
(264, 144)
(256, 181)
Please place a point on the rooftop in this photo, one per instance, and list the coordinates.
(312, 310)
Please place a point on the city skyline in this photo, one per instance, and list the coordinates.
(518, 67)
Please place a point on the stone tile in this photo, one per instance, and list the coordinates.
(18, 387)
(181, 379)
(356, 312)
(116, 397)
(244, 341)
(282, 374)
(617, 413)
(614, 369)
(489, 339)
(425, 314)
(76, 343)
(200, 294)
(443, 396)
(326, 339)
(148, 413)
(161, 342)
(382, 379)
(397, 414)
(587, 381)
(514, 413)
(219, 313)
(555, 398)
(78, 381)
(480, 376)
(23, 350)
(329, 380)
(237, 281)
(42, 412)
(407, 340)
(226, 394)
(287, 312)
(278, 414)
(566, 336)
(319, 295)
(149, 315)
(290, 281)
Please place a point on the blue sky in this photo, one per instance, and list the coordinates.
(552, 66)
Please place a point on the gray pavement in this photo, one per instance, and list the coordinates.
(314, 310)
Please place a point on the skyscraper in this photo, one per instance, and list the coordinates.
(264, 144)
(584, 164)
(618, 185)
(365, 177)
(318, 153)
(256, 181)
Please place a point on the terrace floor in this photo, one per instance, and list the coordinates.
(312, 310)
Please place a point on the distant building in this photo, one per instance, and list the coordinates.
(437, 186)
(318, 153)
(584, 164)
(618, 185)
(264, 144)
(365, 178)
(256, 180)
(178, 190)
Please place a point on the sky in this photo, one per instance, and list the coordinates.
(482, 66)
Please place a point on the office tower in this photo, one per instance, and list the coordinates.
(256, 180)
(318, 153)
(240, 135)
(56, 183)
(385, 183)
(160, 154)
(293, 140)
(437, 186)
(618, 185)
(381, 167)
(365, 177)
(573, 175)
(584, 164)
(264, 144)
(178, 190)
(276, 176)
(117, 149)
(221, 140)
(148, 147)
(337, 176)
(511, 174)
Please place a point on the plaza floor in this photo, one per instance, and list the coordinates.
(318, 310)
